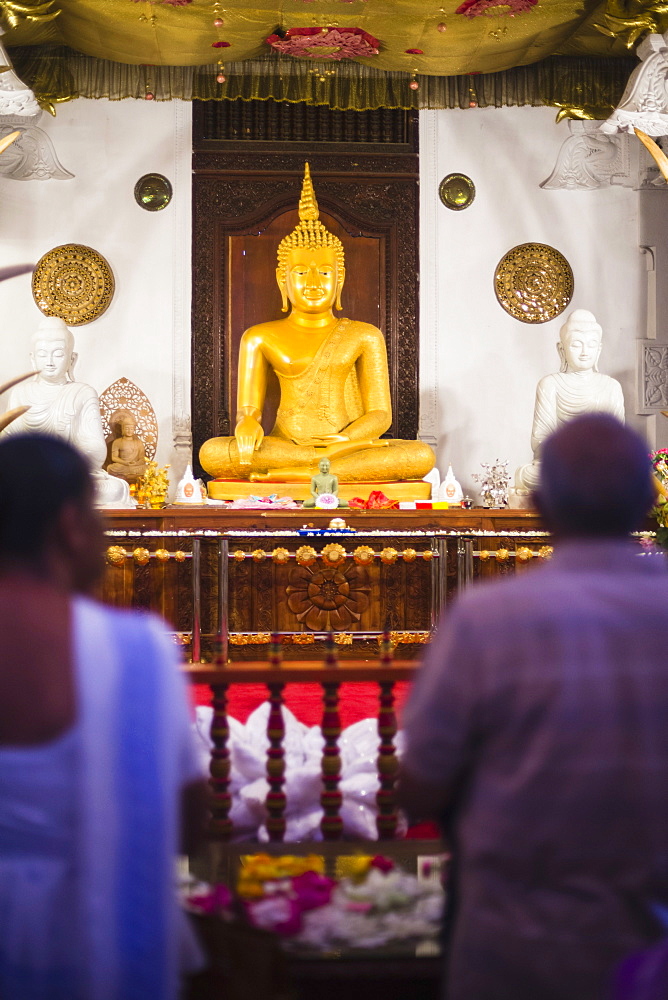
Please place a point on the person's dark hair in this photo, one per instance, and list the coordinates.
(595, 478)
(38, 475)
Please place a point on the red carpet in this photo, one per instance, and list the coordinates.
(357, 701)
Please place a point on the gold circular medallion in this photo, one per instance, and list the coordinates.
(533, 282)
(456, 191)
(74, 282)
(153, 192)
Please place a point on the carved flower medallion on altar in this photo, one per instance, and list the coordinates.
(327, 599)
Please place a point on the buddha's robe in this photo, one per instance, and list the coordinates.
(323, 400)
(559, 398)
(70, 411)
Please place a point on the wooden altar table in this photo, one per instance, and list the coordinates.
(211, 574)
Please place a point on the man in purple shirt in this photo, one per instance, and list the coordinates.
(537, 733)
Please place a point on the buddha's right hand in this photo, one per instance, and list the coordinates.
(248, 434)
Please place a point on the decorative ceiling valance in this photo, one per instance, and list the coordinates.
(57, 74)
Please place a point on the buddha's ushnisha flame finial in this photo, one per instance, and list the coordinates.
(308, 205)
(309, 231)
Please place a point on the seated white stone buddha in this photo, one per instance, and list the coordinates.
(578, 387)
(59, 405)
(333, 378)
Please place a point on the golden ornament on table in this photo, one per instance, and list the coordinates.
(153, 486)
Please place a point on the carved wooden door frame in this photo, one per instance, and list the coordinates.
(241, 190)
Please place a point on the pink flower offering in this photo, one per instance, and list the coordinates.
(312, 890)
(214, 902)
(382, 863)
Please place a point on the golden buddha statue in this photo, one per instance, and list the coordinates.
(334, 384)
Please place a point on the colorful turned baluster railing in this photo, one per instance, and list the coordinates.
(386, 762)
(221, 801)
(329, 673)
(331, 823)
(275, 801)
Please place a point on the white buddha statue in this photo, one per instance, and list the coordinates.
(68, 409)
(578, 387)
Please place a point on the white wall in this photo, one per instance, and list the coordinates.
(479, 366)
(145, 333)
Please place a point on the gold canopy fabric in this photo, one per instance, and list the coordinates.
(157, 33)
(120, 48)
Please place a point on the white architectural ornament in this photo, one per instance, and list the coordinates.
(589, 159)
(652, 376)
(644, 103)
(32, 156)
(15, 97)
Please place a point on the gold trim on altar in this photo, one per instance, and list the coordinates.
(235, 489)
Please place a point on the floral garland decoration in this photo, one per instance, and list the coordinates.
(325, 43)
(478, 8)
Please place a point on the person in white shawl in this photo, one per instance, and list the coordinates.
(96, 754)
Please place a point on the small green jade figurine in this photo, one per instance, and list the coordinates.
(324, 489)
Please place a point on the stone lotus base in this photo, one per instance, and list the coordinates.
(234, 489)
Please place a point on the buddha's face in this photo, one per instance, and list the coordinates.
(324, 466)
(51, 358)
(580, 347)
(312, 279)
(128, 428)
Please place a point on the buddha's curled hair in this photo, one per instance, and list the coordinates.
(309, 231)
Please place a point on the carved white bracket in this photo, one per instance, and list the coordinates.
(590, 159)
(15, 97)
(32, 156)
(644, 103)
(652, 372)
